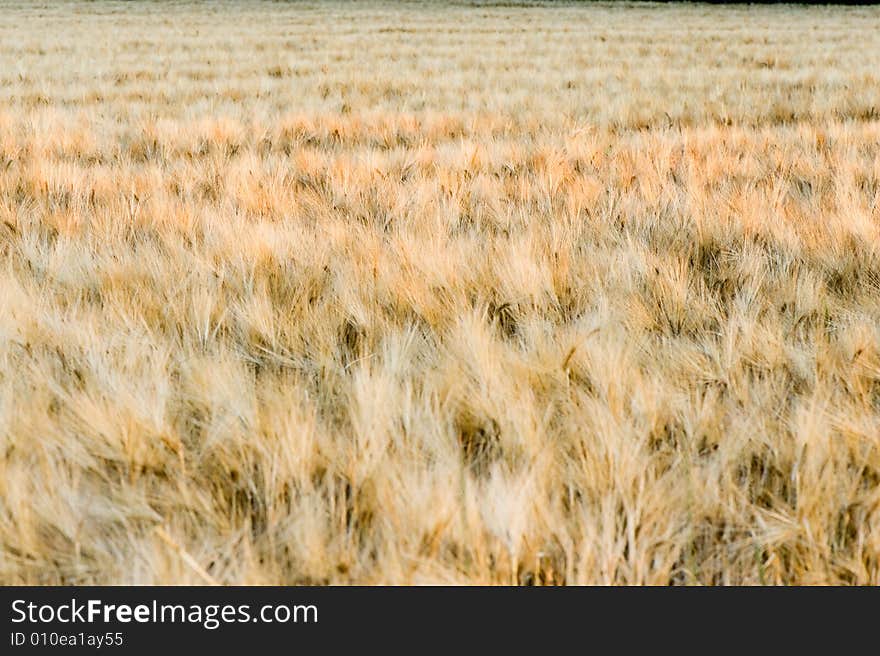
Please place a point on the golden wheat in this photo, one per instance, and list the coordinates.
(439, 293)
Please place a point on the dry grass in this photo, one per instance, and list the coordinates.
(383, 293)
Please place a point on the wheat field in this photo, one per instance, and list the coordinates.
(441, 292)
